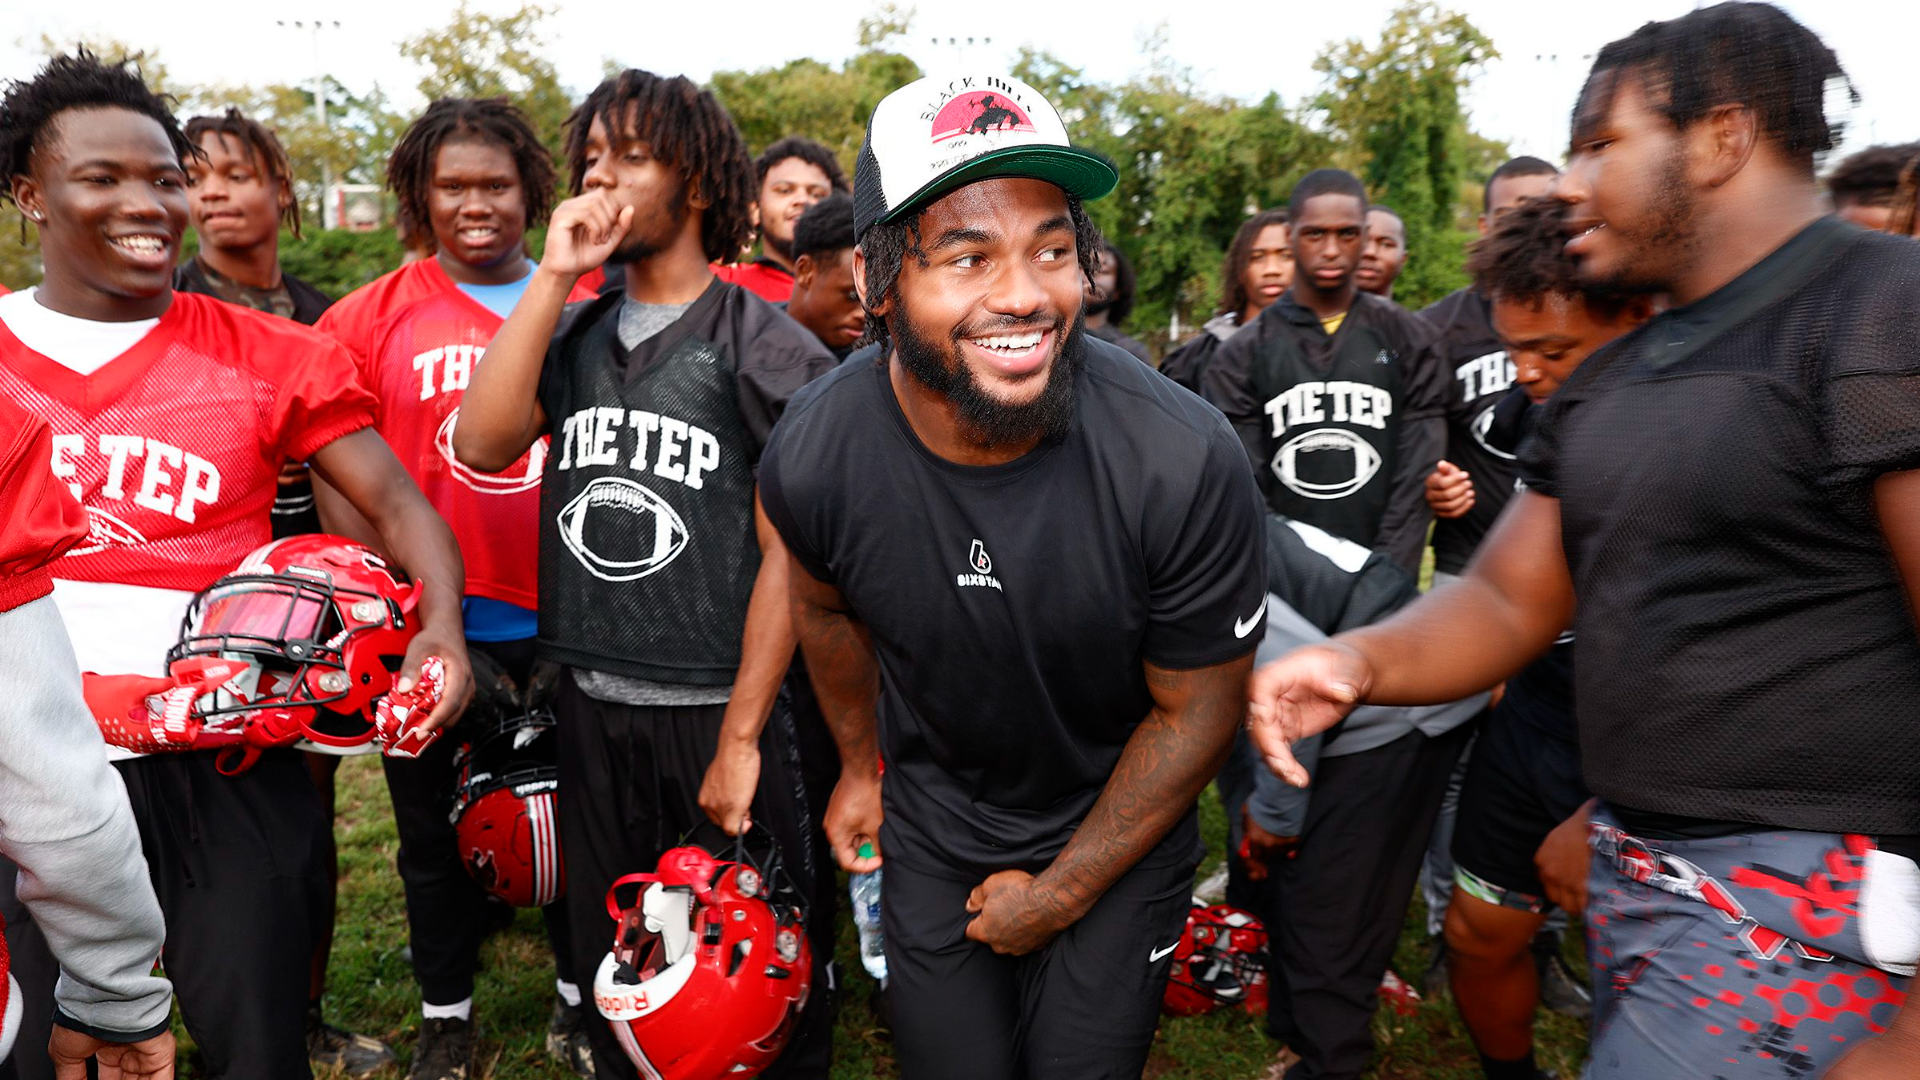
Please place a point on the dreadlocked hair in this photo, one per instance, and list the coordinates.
(1747, 54)
(487, 120)
(886, 248)
(263, 149)
(813, 153)
(77, 81)
(1233, 285)
(1524, 257)
(685, 127)
(1872, 176)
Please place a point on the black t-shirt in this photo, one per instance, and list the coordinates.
(1747, 650)
(647, 545)
(1343, 428)
(1012, 606)
(1113, 335)
(1479, 375)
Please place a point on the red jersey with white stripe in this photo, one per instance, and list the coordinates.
(420, 350)
(173, 447)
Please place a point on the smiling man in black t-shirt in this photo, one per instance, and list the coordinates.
(1031, 579)
(1733, 494)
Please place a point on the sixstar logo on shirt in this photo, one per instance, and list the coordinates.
(982, 564)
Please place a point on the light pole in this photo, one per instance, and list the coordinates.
(313, 27)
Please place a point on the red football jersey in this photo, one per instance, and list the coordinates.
(420, 354)
(173, 447)
(760, 277)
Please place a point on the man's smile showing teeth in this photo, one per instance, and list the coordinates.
(479, 233)
(1014, 354)
(1010, 342)
(143, 250)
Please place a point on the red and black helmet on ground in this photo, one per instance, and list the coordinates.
(506, 775)
(1221, 960)
(710, 965)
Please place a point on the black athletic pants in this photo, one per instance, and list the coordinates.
(447, 912)
(819, 761)
(1338, 906)
(1083, 1008)
(235, 861)
(629, 790)
(32, 965)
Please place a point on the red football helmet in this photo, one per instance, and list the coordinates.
(505, 776)
(1221, 960)
(709, 970)
(320, 621)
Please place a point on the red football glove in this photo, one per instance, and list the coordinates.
(396, 716)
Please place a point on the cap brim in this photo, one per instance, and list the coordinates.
(1082, 174)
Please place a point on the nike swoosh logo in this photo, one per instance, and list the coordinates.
(1242, 629)
(1153, 956)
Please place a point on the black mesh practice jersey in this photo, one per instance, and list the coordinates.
(1479, 374)
(1013, 607)
(1343, 428)
(647, 544)
(1747, 649)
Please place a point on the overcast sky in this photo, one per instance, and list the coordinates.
(1238, 47)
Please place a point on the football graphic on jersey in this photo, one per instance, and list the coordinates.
(1482, 424)
(620, 530)
(105, 531)
(1326, 463)
(522, 475)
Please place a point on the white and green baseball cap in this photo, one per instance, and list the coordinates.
(939, 133)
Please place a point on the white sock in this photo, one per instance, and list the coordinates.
(459, 1010)
(569, 992)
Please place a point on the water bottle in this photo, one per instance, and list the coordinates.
(866, 917)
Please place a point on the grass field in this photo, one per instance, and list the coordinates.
(372, 987)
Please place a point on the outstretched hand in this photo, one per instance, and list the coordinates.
(1303, 693)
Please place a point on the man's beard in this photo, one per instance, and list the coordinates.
(984, 419)
(637, 247)
(1094, 305)
(782, 248)
(1667, 240)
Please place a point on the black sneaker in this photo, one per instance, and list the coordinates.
(567, 1037)
(1560, 990)
(1436, 982)
(331, 1049)
(444, 1050)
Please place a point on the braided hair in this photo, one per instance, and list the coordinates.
(488, 120)
(685, 127)
(1749, 54)
(263, 149)
(77, 81)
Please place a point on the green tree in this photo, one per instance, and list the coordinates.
(1192, 167)
(479, 55)
(812, 98)
(1395, 113)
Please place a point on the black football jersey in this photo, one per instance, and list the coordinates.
(1343, 428)
(647, 544)
(1479, 376)
(1748, 650)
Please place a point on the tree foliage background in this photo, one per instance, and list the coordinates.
(1193, 164)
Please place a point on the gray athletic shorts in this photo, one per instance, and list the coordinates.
(1757, 955)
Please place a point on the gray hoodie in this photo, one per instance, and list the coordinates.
(65, 821)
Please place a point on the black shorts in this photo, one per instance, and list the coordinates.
(1522, 782)
(1084, 1007)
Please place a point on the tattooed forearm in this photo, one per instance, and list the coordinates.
(1166, 764)
(845, 672)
